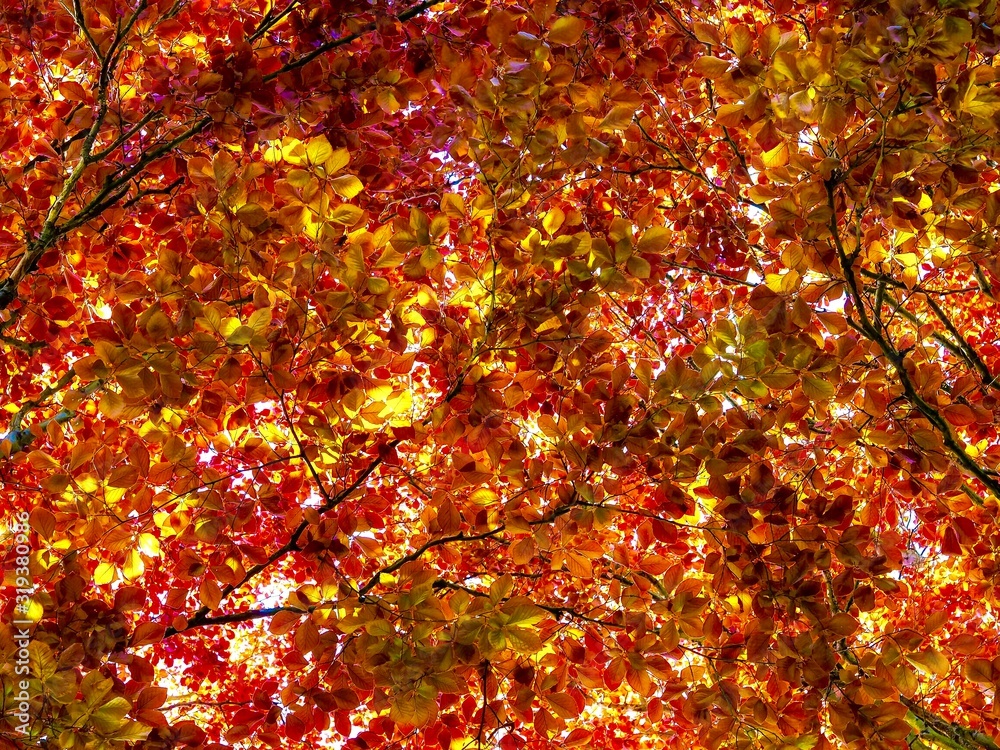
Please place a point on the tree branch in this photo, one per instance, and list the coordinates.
(897, 359)
(345, 40)
(233, 617)
(417, 553)
(947, 733)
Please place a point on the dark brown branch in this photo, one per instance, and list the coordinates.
(233, 617)
(344, 40)
(485, 676)
(705, 272)
(117, 186)
(107, 196)
(957, 344)
(678, 166)
(898, 360)
(125, 136)
(82, 23)
(418, 553)
(270, 20)
(202, 615)
(947, 343)
(968, 353)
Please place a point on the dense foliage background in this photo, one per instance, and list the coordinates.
(473, 374)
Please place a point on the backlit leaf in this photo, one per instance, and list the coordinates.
(566, 30)
(346, 214)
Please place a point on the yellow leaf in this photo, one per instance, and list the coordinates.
(241, 336)
(550, 324)
(387, 101)
(877, 457)
(741, 39)
(223, 168)
(776, 157)
(930, 661)
(453, 206)
(785, 283)
(337, 161)
(377, 285)
(906, 680)
(355, 263)
(513, 198)
(346, 214)
(131, 731)
(707, 33)
(980, 671)
(413, 709)
(110, 717)
(272, 155)
(318, 150)
(817, 389)
(483, 496)
(439, 226)
(41, 661)
(300, 178)
(712, 67)
(805, 742)
(260, 320)
(133, 566)
(521, 612)
(111, 405)
(834, 119)
(982, 101)
(62, 686)
(618, 118)
(158, 325)
(500, 588)
(380, 628)
(638, 267)
(523, 640)
(567, 30)
(554, 219)
(42, 461)
(251, 214)
(104, 573)
(654, 240)
(346, 186)
(730, 115)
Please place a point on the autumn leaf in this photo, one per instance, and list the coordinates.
(980, 671)
(566, 30)
(619, 118)
(110, 716)
(499, 375)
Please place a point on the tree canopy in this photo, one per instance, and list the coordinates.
(492, 375)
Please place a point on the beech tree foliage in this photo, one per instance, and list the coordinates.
(490, 374)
